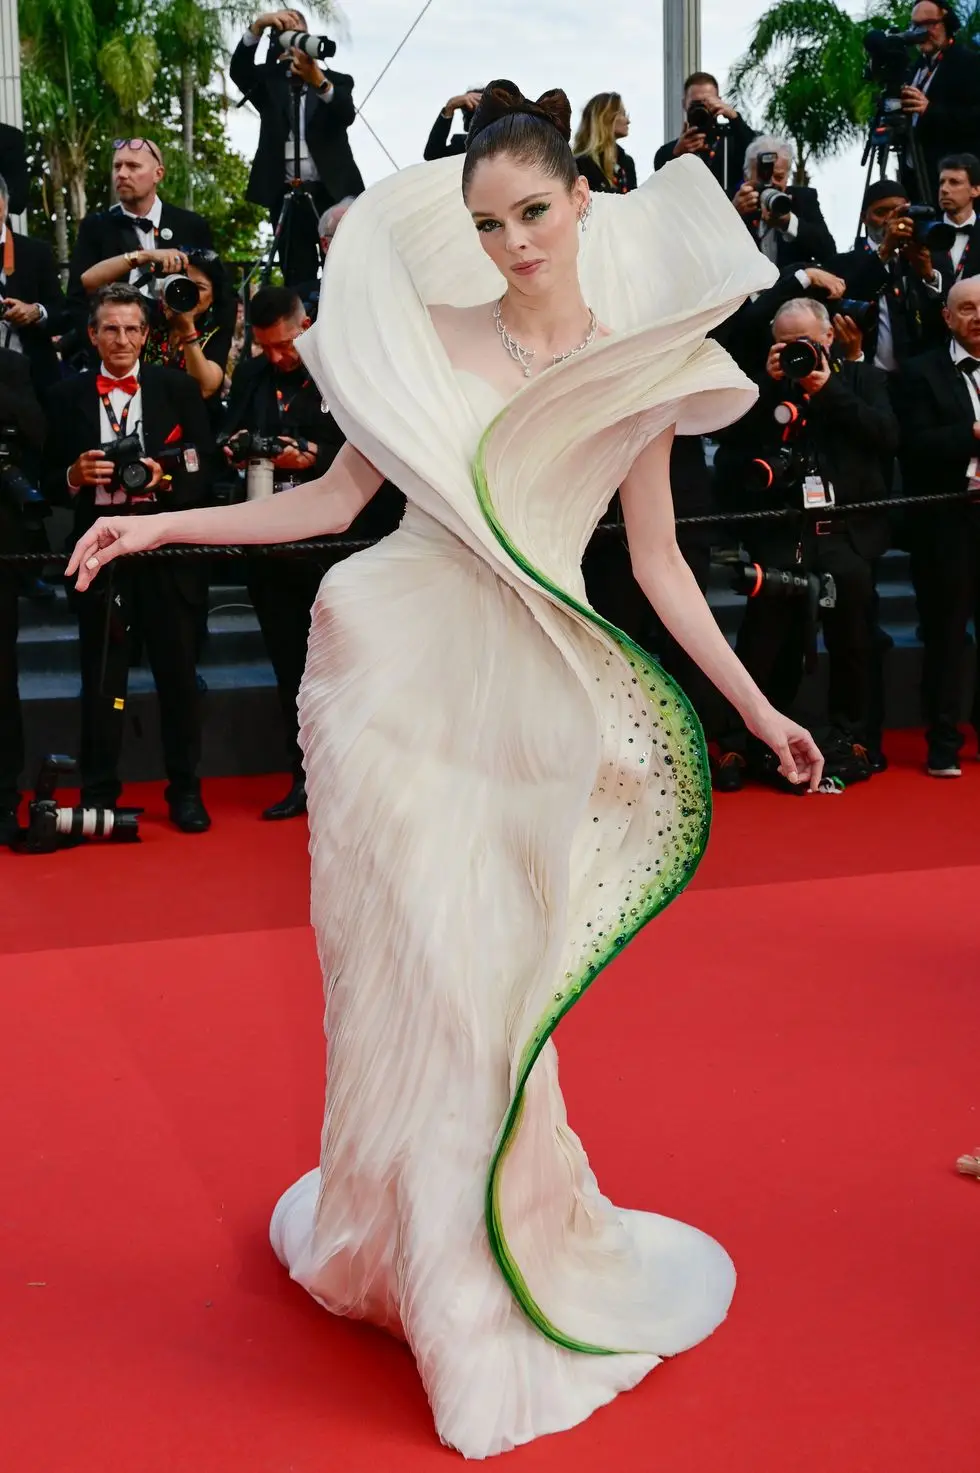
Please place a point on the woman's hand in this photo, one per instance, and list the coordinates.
(171, 262)
(800, 759)
(112, 537)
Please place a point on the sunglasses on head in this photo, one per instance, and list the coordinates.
(137, 143)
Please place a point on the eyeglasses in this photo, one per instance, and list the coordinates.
(136, 144)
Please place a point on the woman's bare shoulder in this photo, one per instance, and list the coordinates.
(455, 322)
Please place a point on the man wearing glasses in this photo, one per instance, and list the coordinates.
(942, 96)
(138, 233)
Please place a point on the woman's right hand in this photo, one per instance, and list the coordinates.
(171, 262)
(112, 537)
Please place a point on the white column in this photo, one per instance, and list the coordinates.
(682, 56)
(11, 110)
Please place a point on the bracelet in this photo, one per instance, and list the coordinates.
(194, 338)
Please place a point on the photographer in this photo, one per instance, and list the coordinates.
(21, 433)
(198, 340)
(784, 218)
(138, 235)
(273, 396)
(439, 145)
(959, 190)
(98, 423)
(941, 95)
(30, 299)
(816, 439)
(327, 171)
(938, 395)
(892, 273)
(713, 131)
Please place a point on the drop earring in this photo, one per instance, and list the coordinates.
(583, 219)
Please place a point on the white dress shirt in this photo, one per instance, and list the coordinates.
(146, 240)
(962, 235)
(307, 168)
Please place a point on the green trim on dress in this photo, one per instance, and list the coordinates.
(690, 761)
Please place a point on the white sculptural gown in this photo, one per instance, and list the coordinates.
(502, 790)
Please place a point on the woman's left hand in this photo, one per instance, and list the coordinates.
(800, 759)
(181, 324)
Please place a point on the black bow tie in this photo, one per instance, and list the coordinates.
(139, 222)
(968, 365)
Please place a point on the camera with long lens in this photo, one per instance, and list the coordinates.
(16, 491)
(175, 290)
(859, 312)
(318, 48)
(257, 453)
(701, 117)
(51, 826)
(755, 581)
(798, 360)
(928, 229)
(888, 62)
(771, 198)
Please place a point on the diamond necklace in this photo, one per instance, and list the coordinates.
(523, 355)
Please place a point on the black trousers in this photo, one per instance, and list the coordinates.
(945, 567)
(772, 640)
(160, 602)
(283, 590)
(11, 722)
(299, 245)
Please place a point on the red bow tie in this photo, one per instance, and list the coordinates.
(127, 385)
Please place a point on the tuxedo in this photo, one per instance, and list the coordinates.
(158, 601)
(283, 589)
(951, 122)
(334, 174)
(915, 314)
(965, 254)
(113, 233)
(937, 413)
(724, 156)
(812, 242)
(13, 167)
(34, 278)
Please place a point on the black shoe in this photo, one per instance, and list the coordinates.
(877, 760)
(292, 806)
(8, 825)
(764, 767)
(728, 773)
(943, 764)
(189, 814)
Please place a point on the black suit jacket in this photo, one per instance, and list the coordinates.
(13, 167)
(970, 259)
(439, 145)
(21, 412)
(267, 87)
(171, 403)
(937, 418)
(725, 156)
(814, 243)
(916, 315)
(597, 180)
(252, 403)
(35, 279)
(747, 334)
(951, 122)
(111, 233)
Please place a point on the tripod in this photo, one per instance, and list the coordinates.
(891, 132)
(298, 198)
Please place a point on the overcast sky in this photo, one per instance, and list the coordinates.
(582, 47)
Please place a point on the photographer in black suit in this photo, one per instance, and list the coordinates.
(139, 234)
(939, 400)
(942, 96)
(30, 298)
(439, 145)
(959, 190)
(898, 277)
(326, 111)
(838, 426)
(13, 167)
(157, 600)
(788, 224)
(273, 395)
(21, 413)
(713, 131)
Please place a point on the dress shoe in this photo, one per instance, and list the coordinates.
(292, 806)
(939, 766)
(877, 760)
(8, 825)
(728, 773)
(189, 814)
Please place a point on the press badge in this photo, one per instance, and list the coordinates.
(817, 492)
(191, 461)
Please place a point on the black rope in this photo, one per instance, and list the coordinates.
(344, 545)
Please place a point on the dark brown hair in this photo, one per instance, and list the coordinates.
(537, 133)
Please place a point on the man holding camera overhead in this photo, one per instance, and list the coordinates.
(941, 94)
(134, 437)
(713, 132)
(140, 236)
(292, 78)
(785, 219)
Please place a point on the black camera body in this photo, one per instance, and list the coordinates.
(928, 229)
(51, 827)
(25, 500)
(859, 312)
(888, 61)
(801, 358)
(318, 48)
(132, 475)
(701, 117)
(250, 445)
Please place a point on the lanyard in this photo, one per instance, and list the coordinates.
(964, 258)
(284, 404)
(118, 426)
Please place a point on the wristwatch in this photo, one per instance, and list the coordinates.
(325, 86)
(131, 257)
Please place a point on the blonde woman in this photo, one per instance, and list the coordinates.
(607, 167)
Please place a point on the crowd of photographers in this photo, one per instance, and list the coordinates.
(134, 390)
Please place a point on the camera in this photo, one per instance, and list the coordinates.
(51, 827)
(700, 117)
(888, 61)
(318, 48)
(798, 360)
(132, 474)
(259, 451)
(15, 489)
(755, 581)
(176, 291)
(928, 229)
(858, 312)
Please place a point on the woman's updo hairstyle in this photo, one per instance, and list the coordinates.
(534, 133)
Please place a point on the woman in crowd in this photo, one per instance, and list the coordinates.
(199, 341)
(600, 158)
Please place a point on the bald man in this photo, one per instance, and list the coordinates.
(939, 400)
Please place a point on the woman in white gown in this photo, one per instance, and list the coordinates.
(502, 788)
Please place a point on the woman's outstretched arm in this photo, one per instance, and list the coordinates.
(320, 508)
(669, 584)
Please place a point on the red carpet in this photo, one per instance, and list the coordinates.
(794, 1044)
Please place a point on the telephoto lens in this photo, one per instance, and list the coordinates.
(316, 47)
(178, 292)
(776, 201)
(798, 360)
(700, 117)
